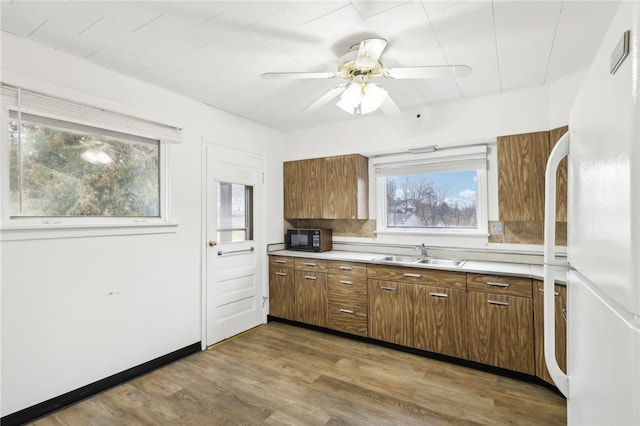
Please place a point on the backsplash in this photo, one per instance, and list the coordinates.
(340, 227)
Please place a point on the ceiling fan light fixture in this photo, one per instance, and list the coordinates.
(373, 96)
(362, 98)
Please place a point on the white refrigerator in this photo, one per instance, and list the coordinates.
(602, 384)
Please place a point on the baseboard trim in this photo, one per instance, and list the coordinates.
(47, 407)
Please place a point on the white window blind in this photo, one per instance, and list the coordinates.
(23, 101)
(448, 159)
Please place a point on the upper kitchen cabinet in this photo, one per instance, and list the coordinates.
(327, 188)
(522, 161)
(521, 164)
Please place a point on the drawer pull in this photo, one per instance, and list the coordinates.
(311, 265)
(555, 293)
(346, 311)
(282, 274)
(345, 282)
(389, 288)
(281, 261)
(308, 277)
(407, 274)
(439, 294)
(495, 284)
(497, 302)
(346, 268)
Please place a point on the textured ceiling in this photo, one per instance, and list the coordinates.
(215, 51)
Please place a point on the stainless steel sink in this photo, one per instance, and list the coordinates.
(442, 262)
(398, 259)
(453, 263)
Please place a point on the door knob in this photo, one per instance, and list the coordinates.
(212, 243)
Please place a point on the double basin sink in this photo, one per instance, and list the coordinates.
(413, 260)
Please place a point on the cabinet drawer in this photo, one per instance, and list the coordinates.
(398, 274)
(347, 268)
(346, 286)
(512, 286)
(282, 261)
(348, 318)
(304, 264)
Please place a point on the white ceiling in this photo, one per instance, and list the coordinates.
(215, 51)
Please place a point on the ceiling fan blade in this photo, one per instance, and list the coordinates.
(300, 75)
(369, 53)
(439, 71)
(326, 98)
(389, 107)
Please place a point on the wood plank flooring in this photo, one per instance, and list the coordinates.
(281, 374)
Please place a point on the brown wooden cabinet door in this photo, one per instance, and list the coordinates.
(561, 329)
(440, 320)
(391, 312)
(311, 297)
(522, 161)
(346, 187)
(303, 188)
(281, 292)
(501, 331)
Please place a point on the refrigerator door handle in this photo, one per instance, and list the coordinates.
(560, 151)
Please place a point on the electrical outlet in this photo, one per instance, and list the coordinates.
(497, 229)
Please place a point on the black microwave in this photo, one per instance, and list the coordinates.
(309, 239)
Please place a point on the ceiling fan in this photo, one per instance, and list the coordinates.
(358, 94)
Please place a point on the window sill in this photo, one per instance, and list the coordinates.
(60, 230)
(448, 233)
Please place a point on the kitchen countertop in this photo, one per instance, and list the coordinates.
(472, 266)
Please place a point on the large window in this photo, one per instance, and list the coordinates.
(60, 170)
(72, 164)
(440, 192)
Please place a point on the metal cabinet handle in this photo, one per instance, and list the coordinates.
(346, 311)
(313, 265)
(439, 294)
(389, 288)
(346, 268)
(497, 302)
(345, 282)
(407, 274)
(555, 293)
(282, 274)
(281, 261)
(308, 277)
(495, 284)
(564, 313)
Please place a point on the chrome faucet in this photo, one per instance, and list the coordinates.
(423, 250)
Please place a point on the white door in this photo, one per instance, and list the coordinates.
(234, 246)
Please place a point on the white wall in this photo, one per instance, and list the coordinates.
(60, 327)
(460, 122)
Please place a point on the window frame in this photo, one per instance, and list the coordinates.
(26, 227)
(442, 160)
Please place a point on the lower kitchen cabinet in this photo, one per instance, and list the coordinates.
(391, 311)
(440, 320)
(281, 292)
(500, 314)
(501, 331)
(490, 319)
(281, 287)
(560, 296)
(311, 297)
